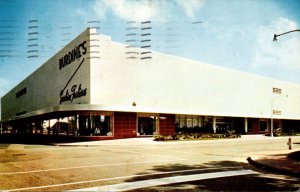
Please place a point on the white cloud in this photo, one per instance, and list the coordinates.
(190, 6)
(100, 8)
(284, 52)
(141, 10)
(80, 12)
(133, 10)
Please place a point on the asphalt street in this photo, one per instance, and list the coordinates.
(154, 166)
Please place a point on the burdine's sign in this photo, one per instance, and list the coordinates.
(76, 91)
(70, 57)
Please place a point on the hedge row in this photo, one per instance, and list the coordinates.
(194, 136)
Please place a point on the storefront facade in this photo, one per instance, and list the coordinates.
(92, 88)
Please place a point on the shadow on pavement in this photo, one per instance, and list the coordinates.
(253, 182)
(294, 156)
(44, 139)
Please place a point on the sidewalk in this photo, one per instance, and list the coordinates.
(124, 142)
(277, 163)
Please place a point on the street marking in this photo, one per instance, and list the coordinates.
(183, 152)
(134, 152)
(116, 178)
(86, 166)
(166, 181)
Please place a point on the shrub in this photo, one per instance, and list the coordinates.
(159, 138)
(195, 136)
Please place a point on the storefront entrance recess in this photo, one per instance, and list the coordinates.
(146, 125)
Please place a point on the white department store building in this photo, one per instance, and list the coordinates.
(97, 87)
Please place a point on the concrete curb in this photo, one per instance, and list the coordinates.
(273, 169)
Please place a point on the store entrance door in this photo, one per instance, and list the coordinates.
(146, 125)
(263, 126)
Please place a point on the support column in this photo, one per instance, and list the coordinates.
(246, 125)
(57, 127)
(77, 125)
(49, 128)
(214, 120)
(68, 129)
(280, 123)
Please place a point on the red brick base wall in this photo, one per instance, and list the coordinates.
(255, 126)
(167, 124)
(124, 125)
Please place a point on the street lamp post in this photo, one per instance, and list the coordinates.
(272, 125)
(275, 35)
(275, 39)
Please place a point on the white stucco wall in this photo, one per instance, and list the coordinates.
(170, 84)
(43, 86)
(162, 84)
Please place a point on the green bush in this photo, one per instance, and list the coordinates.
(194, 136)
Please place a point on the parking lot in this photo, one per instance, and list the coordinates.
(143, 165)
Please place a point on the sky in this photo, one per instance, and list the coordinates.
(234, 34)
